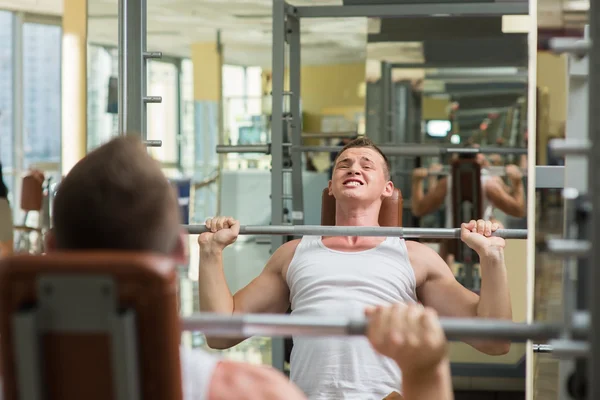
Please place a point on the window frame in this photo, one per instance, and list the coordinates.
(19, 19)
(176, 61)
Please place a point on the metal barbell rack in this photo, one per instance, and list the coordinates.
(133, 58)
(286, 28)
(579, 378)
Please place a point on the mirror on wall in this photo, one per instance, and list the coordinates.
(453, 82)
(458, 83)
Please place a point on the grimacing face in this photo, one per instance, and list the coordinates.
(360, 174)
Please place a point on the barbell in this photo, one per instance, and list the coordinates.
(281, 325)
(408, 149)
(319, 230)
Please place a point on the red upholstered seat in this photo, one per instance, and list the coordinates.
(74, 355)
(389, 215)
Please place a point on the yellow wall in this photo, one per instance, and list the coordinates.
(552, 73)
(552, 77)
(434, 107)
(327, 88)
(207, 71)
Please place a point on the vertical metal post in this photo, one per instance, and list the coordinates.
(293, 31)
(18, 106)
(576, 178)
(278, 71)
(594, 193)
(143, 16)
(570, 231)
(132, 68)
(386, 108)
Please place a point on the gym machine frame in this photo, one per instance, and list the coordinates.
(286, 29)
(579, 378)
(133, 58)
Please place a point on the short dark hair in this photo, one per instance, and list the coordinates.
(363, 141)
(117, 198)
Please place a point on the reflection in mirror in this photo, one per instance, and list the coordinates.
(458, 83)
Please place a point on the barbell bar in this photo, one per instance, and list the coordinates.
(320, 230)
(417, 150)
(244, 148)
(281, 325)
(414, 150)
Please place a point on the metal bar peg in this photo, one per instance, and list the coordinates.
(152, 54)
(575, 46)
(153, 143)
(565, 147)
(152, 99)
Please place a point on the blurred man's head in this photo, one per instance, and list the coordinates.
(117, 198)
(361, 172)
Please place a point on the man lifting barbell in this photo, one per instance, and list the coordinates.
(117, 198)
(343, 275)
(509, 199)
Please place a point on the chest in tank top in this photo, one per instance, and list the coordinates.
(324, 281)
(329, 282)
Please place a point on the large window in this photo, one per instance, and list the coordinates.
(163, 118)
(102, 120)
(244, 121)
(30, 97)
(187, 142)
(242, 105)
(6, 98)
(42, 95)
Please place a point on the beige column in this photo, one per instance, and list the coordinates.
(74, 83)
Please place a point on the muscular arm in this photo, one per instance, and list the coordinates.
(234, 380)
(267, 293)
(423, 204)
(510, 203)
(441, 291)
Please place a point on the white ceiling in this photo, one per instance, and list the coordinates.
(245, 25)
(173, 25)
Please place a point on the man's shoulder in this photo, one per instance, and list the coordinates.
(422, 256)
(288, 248)
(417, 248)
(283, 256)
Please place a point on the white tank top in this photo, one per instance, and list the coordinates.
(323, 281)
(197, 368)
(486, 206)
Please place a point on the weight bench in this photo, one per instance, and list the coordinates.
(389, 215)
(93, 326)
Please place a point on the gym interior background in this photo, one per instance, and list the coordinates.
(448, 83)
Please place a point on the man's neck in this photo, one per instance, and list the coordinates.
(357, 216)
